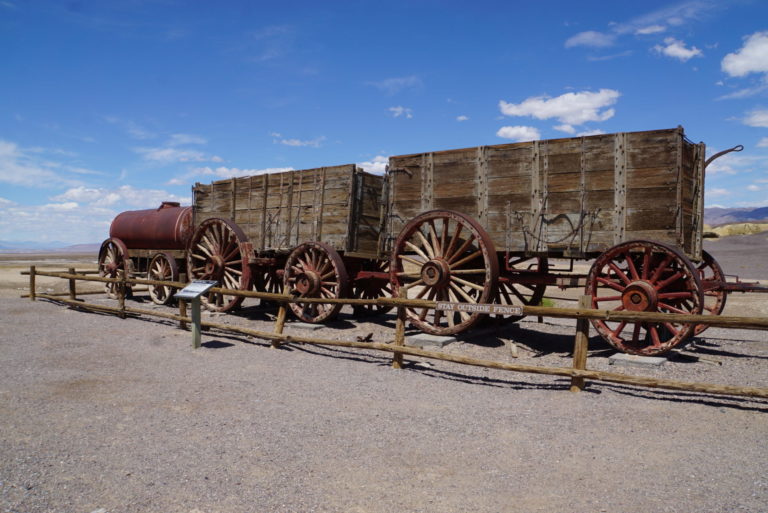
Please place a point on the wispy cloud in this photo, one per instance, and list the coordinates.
(757, 118)
(400, 111)
(394, 85)
(222, 172)
(591, 38)
(28, 168)
(291, 141)
(183, 139)
(131, 128)
(462, 118)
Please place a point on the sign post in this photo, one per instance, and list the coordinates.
(192, 293)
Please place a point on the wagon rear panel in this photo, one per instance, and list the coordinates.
(279, 211)
(562, 197)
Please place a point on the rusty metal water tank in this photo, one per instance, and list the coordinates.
(167, 227)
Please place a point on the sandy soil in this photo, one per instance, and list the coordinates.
(97, 412)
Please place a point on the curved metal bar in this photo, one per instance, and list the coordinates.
(721, 153)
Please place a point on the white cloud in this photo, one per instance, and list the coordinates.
(677, 50)
(168, 155)
(126, 195)
(568, 129)
(312, 143)
(569, 108)
(401, 111)
(757, 118)
(377, 166)
(462, 118)
(133, 129)
(750, 58)
(519, 133)
(70, 205)
(6, 202)
(180, 139)
(763, 143)
(753, 187)
(586, 133)
(590, 38)
(650, 29)
(223, 172)
(395, 85)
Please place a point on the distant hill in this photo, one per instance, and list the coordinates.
(716, 216)
(46, 247)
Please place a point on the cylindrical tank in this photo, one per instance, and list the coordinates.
(167, 227)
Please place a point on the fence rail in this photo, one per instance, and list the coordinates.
(578, 371)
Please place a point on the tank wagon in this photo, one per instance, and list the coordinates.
(475, 225)
(148, 243)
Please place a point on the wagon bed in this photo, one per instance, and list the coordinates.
(573, 197)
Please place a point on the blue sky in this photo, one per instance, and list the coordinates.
(108, 106)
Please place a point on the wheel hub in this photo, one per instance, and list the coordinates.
(214, 268)
(308, 283)
(436, 272)
(640, 296)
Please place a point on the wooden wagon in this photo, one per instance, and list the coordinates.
(316, 232)
(479, 225)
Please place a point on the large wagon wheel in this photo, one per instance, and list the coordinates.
(372, 288)
(219, 250)
(314, 269)
(712, 278)
(513, 288)
(444, 256)
(113, 262)
(644, 276)
(162, 267)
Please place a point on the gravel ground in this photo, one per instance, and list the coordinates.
(98, 412)
(110, 415)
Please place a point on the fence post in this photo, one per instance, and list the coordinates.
(121, 296)
(397, 357)
(282, 311)
(32, 283)
(182, 313)
(72, 285)
(580, 345)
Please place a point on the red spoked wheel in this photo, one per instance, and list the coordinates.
(314, 269)
(712, 278)
(517, 284)
(443, 255)
(162, 267)
(219, 250)
(644, 276)
(372, 288)
(113, 262)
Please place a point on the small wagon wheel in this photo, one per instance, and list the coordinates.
(314, 269)
(515, 289)
(113, 261)
(162, 267)
(372, 288)
(219, 250)
(443, 255)
(712, 278)
(644, 276)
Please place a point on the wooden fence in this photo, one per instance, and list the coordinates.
(578, 371)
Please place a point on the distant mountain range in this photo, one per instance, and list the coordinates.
(716, 216)
(47, 247)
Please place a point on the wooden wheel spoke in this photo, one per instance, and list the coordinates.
(433, 237)
(417, 250)
(469, 284)
(610, 283)
(461, 249)
(654, 331)
(600, 299)
(462, 293)
(619, 329)
(673, 309)
(425, 244)
(411, 260)
(448, 253)
(619, 273)
(669, 280)
(631, 265)
(466, 259)
(646, 263)
(661, 268)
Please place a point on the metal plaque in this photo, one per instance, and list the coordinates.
(195, 289)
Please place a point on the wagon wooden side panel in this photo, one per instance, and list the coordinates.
(337, 205)
(572, 197)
